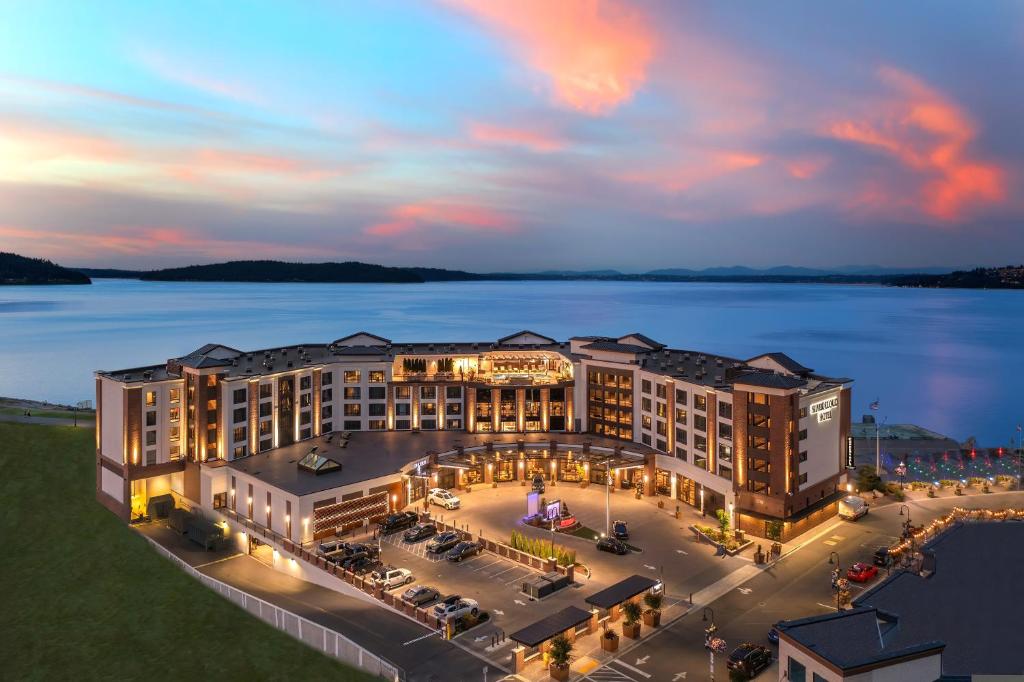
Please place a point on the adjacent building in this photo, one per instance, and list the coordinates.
(765, 438)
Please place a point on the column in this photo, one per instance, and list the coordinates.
(496, 409)
(470, 394)
(520, 409)
(545, 408)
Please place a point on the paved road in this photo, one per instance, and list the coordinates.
(795, 587)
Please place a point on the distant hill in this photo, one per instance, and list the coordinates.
(278, 271)
(796, 271)
(1008, 277)
(15, 269)
(110, 273)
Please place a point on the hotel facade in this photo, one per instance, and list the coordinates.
(305, 440)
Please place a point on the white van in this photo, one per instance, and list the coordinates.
(852, 508)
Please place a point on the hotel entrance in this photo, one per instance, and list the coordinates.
(686, 490)
(663, 482)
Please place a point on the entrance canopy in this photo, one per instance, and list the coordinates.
(622, 591)
(550, 626)
(595, 451)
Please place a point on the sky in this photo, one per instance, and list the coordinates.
(513, 136)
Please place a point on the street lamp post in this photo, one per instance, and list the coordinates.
(837, 572)
(709, 633)
(906, 524)
(607, 498)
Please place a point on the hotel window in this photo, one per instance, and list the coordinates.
(428, 408)
(453, 408)
(681, 453)
(305, 400)
(378, 392)
(402, 409)
(803, 456)
(174, 452)
(305, 383)
(759, 420)
(645, 386)
(724, 453)
(700, 402)
(352, 393)
(266, 445)
(150, 457)
(681, 436)
(305, 417)
(661, 445)
(266, 409)
(150, 437)
(377, 377)
(700, 442)
(353, 425)
(759, 443)
(725, 472)
(453, 393)
(645, 404)
(680, 397)
(240, 395)
(660, 429)
(239, 452)
(725, 431)
(453, 424)
(327, 411)
(428, 424)
(757, 398)
(239, 414)
(327, 395)
(220, 500)
(327, 379)
(403, 392)
(377, 409)
(796, 671)
(402, 424)
(700, 422)
(151, 419)
(377, 424)
(211, 404)
(238, 434)
(761, 465)
(700, 461)
(174, 433)
(174, 414)
(758, 487)
(803, 434)
(802, 479)
(646, 439)
(266, 428)
(327, 427)
(351, 376)
(681, 415)
(174, 395)
(211, 380)
(266, 390)
(305, 434)
(428, 392)
(150, 398)
(645, 422)
(724, 410)
(353, 410)
(662, 410)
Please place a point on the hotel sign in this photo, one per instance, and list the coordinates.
(849, 453)
(823, 409)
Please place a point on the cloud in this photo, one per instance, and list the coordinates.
(702, 167)
(594, 52)
(423, 216)
(533, 140)
(198, 77)
(931, 136)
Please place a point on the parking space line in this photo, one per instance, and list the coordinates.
(497, 561)
(510, 568)
(636, 670)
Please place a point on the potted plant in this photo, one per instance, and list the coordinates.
(652, 616)
(610, 640)
(631, 625)
(558, 653)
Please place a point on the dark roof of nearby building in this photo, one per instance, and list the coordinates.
(616, 347)
(969, 600)
(342, 340)
(786, 362)
(506, 339)
(645, 339)
(550, 626)
(621, 591)
(854, 638)
(769, 380)
(361, 350)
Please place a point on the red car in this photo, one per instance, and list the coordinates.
(861, 573)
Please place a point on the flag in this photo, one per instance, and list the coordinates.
(874, 406)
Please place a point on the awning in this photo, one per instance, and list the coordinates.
(551, 626)
(621, 591)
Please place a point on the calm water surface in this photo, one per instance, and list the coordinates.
(945, 359)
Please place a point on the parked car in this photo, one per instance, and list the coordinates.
(454, 607)
(463, 550)
(538, 483)
(418, 595)
(613, 545)
(750, 659)
(620, 530)
(852, 507)
(363, 565)
(390, 578)
(443, 497)
(421, 531)
(881, 557)
(333, 545)
(861, 572)
(399, 521)
(773, 634)
(443, 542)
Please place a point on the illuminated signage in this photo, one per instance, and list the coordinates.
(849, 453)
(823, 409)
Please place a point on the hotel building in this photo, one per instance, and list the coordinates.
(331, 435)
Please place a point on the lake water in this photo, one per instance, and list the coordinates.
(948, 360)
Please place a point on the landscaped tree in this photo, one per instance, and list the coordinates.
(632, 612)
(868, 478)
(723, 522)
(560, 650)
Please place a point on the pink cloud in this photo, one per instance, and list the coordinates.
(201, 78)
(594, 52)
(416, 217)
(702, 168)
(518, 137)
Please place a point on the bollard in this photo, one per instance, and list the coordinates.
(691, 599)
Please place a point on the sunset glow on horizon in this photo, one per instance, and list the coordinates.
(512, 135)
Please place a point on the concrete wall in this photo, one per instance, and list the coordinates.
(822, 445)
(112, 420)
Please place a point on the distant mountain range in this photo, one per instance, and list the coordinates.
(15, 269)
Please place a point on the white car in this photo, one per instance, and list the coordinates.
(390, 578)
(444, 498)
(455, 607)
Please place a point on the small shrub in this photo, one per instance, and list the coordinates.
(631, 611)
(653, 601)
(560, 650)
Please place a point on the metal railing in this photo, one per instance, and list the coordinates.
(324, 640)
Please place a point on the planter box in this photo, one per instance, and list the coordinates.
(652, 618)
(558, 672)
(609, 643)
(631, 631)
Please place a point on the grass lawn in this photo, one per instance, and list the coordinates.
(587, 533)
(83, 416)
(84, 597)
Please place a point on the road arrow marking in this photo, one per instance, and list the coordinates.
(498, 613)
(651, 568)
(679, 551)
(679, 676)
(480, 639)
(745, 590)
(521, 603)
(641, 661)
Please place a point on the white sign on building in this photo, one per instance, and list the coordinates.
(823, 409)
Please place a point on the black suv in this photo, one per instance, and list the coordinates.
(421, 531)
(443, 542)
(613, 545)
(620, 530)
(750, 659)
(399, 521)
